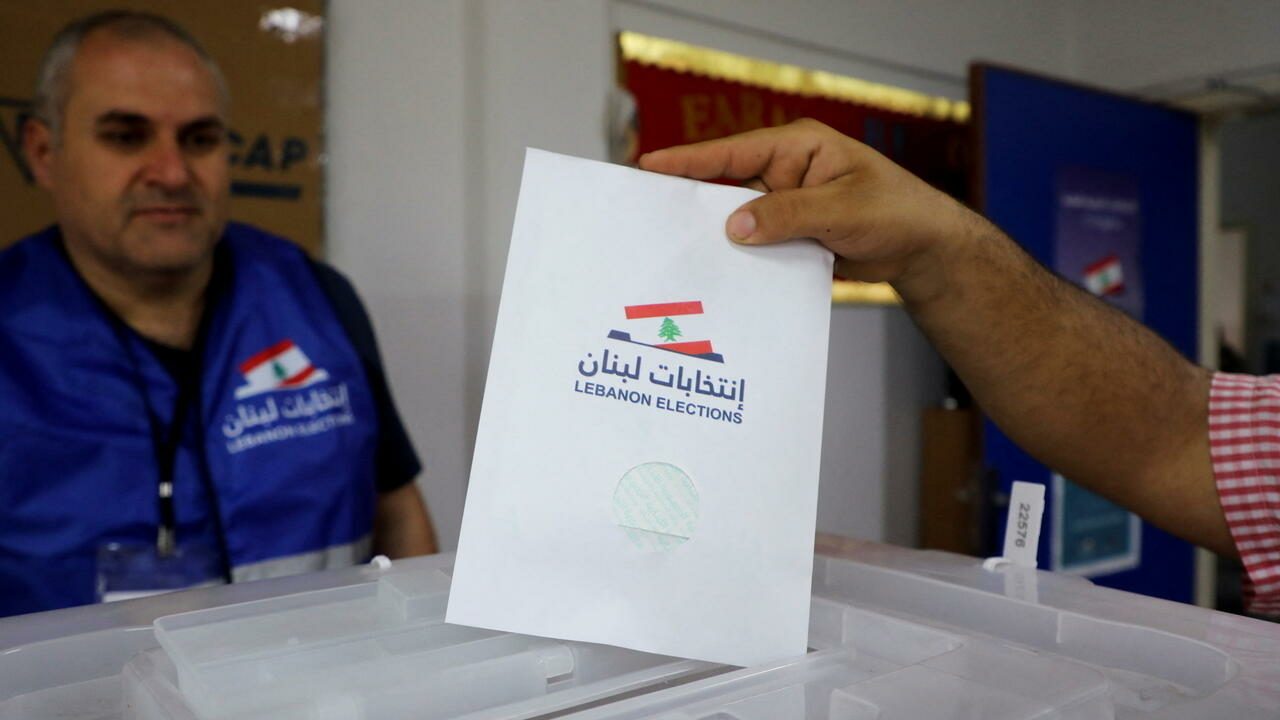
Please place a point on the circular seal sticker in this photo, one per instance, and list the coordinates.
(656, 504)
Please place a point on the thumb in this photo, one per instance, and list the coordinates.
(815, 212)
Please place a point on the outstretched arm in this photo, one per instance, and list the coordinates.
(1076, 383)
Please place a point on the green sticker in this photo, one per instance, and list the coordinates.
(656, 505)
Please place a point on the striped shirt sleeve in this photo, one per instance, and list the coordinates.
(1244, 443)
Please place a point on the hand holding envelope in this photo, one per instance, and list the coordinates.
(883, 223)
(646, 468)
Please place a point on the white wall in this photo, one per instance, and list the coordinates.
(544, 69)
(1136, 44)
(429, 108)
(852, 494)
(915, 378)
(431, 105)
(394, 214)
(880, 373)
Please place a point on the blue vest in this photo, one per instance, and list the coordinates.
(277, 449)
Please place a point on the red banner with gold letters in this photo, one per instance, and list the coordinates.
(675, 107)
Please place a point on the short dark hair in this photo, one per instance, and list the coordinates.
(55, 68)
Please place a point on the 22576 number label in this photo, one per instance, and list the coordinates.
(1023, 525)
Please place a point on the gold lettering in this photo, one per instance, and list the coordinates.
(725, 122)
(693, 109)
(708, 116)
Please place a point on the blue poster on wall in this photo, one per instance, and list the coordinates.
(1099, 235)
(1091, 535)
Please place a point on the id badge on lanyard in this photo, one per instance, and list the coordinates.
(133, 570)
(127, 570)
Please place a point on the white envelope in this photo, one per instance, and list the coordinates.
(646, 470)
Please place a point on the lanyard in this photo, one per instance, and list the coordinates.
(165, 441)
(165, 438)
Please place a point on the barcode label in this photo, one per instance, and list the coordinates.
(1022, 533)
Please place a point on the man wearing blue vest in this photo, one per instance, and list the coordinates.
(183, 400)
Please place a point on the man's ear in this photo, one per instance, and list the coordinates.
(37, 146)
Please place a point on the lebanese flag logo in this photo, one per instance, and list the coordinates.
(1105, 277)
(279, 367)
(658, 324)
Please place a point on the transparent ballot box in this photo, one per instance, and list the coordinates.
(894, 633)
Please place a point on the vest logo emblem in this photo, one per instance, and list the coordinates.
(282, 366)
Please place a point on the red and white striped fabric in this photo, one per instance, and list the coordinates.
(1244, 443)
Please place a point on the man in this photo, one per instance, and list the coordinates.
(1192, 452)
(182, 399)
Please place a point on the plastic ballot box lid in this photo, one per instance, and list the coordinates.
(894, 633)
